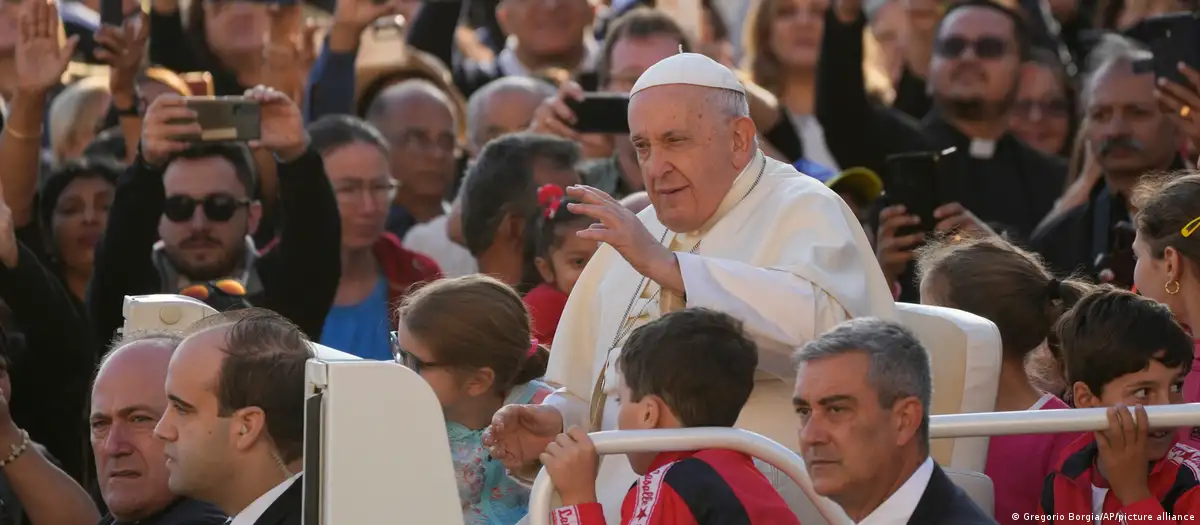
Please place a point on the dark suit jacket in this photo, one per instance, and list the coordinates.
(183, 512)
(943, 503)
(288, 509)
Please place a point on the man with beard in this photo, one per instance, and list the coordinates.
(992, 177)
(198, 199)
(1131, 137)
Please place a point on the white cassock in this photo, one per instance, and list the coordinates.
(783, 255)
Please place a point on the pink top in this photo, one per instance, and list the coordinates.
(1191, 394)
(1018, 465)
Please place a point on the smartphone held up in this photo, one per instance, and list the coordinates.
(224, 119)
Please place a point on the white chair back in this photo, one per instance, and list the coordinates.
(965, 352)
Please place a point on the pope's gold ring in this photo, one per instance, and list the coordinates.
(1185, 111)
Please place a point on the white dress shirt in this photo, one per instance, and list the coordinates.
(255, 510)
(898, 508)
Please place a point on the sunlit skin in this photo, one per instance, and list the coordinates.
(566, 262)
(889, 25)
(506, 111)
(967, 77)
(857, 452)
(630, 58)
(127, 402)
(1151, 275)
(419, 124)
(234, 28)
(649, 412)
(363, 184)
(1154, 385)
(796, 29)
(1040, 129)
(689, 152)
(466, 396)
(546, 28)
(201, 247)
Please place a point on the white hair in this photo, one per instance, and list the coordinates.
(479, 100)
(1112, 50)
(731, 103)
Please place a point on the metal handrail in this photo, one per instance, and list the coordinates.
(1053, 421)
(624, 442)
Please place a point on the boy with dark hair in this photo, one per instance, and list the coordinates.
(1120, 349)
(690, 368)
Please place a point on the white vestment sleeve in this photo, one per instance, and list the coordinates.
(773, 305)
(575, 411)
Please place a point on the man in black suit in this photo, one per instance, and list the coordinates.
(234, 425)
(863, 393)
(127, 401)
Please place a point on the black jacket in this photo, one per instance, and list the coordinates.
(288, 509)
(943, 503)
(299, 274)
(183, 511)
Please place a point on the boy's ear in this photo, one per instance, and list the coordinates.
(1083, 396)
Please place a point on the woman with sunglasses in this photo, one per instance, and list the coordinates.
(469, 339)
(1167, 247)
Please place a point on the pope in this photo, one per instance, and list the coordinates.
(728, 229)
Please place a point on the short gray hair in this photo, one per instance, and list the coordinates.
(1112, 50)
(479, 100)
(731, 103)
(899, 365)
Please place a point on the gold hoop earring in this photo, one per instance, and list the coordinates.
(1169, 290)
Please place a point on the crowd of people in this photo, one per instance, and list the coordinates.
(422, 187)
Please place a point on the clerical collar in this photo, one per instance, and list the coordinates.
(982, 149)
(741, 185)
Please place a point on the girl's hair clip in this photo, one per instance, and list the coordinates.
(550, 197)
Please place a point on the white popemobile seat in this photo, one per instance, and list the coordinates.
(375, 446)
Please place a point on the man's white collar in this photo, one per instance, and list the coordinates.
(899, 507)
(255, 510)
(510, 65)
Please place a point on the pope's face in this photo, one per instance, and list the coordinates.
(689, 151)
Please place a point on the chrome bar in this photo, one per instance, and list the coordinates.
(623, 442)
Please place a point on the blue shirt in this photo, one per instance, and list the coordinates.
(361, 329)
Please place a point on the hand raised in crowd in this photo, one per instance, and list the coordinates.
(352, 17)
(1123, 453)
(8, 244)
(847, 11)
(123, 48)
(571, 462)
(167, 121)
(954, 216)
(891, 250)
(1182, 102)
(620, 228)
(40, 59)
(555, 117)
(282, 131)
(520, 433)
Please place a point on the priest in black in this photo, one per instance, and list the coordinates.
(1130, 136)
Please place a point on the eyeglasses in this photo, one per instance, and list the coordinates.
(202, 291)
(219, 208)
(987, 48)
(406, 358)
(1055, 107)
(1190, 228)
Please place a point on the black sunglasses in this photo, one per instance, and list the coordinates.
(987, 48)
(219, 208)
(406, 358)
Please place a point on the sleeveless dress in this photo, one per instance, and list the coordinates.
(488, 495)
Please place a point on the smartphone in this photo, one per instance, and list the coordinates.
(1173, 38)
(911, 179)
(601, 113)
(223, 119)
(112, 12)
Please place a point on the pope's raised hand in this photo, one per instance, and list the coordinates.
(519, 433)
(620, 228)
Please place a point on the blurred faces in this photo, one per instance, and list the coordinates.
(201, 446)
(888, 27)
(546, 28)
(976, 63)
(80, 214)
(505, 111)
(1041, 116)
(795, 34)
(364, 187)
(1128, 133)
(689, 151)
(200, 247)
(419, 123)
(127, 402)
(1156, 385)
(851, 444)
(235, 28)
(633, 56)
